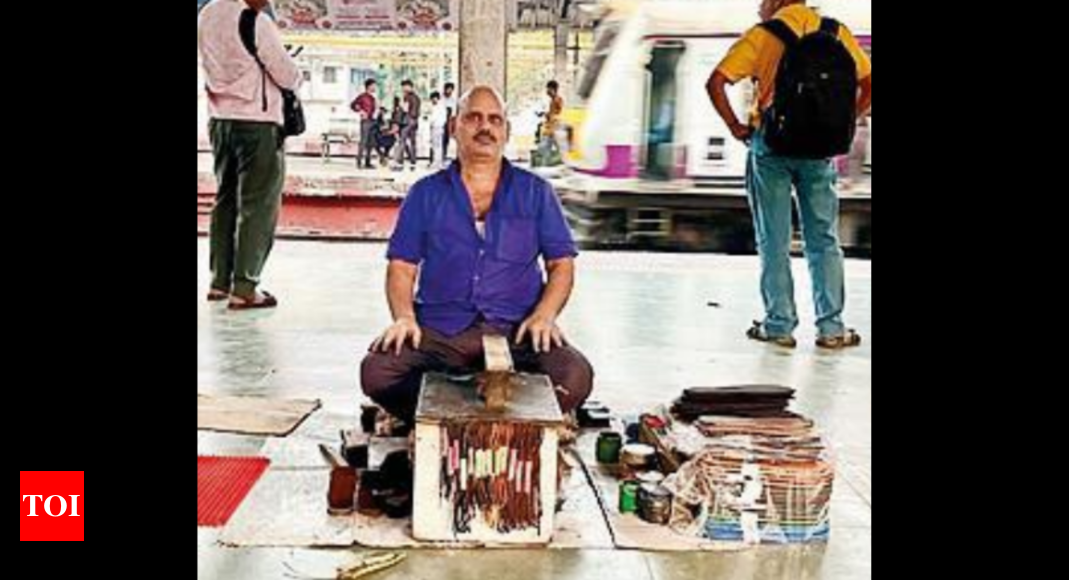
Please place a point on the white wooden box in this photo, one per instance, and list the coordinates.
(442, 400)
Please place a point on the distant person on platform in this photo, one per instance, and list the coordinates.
(365, 106)
(439, 119)
(450, 102)
(406, 146)
(548, 148)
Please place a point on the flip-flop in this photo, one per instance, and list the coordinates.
(757, 332)
(268, 301)
(847, 339)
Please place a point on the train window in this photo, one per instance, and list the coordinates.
(597, 58)
(715, 151)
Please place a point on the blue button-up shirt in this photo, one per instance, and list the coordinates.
(462, 275)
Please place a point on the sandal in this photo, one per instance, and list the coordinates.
(217, 295)
(260, 300)
(757, 332)
(848, 338)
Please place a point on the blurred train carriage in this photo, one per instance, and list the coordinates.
(653, 164)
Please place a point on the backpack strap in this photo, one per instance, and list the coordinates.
(247, 31)
(830, 25)
(780, 30)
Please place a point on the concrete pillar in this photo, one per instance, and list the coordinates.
(483, 44)
(560, 56)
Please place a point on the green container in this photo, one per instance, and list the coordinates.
(628, 493)
(608, 447)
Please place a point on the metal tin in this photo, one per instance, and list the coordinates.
(608, 447)
(654, 477)
(628, 496)
(654, 503)
(637, 455)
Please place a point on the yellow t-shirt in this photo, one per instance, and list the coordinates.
(556, 106)
(757, 54)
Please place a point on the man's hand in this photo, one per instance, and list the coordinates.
(396, 335)
(741, 132)
(544, 332)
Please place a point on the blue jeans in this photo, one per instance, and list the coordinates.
(768, 185)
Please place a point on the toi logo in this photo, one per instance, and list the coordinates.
(53, 505)
(48, 503)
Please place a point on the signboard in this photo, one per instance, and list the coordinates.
(369, 15)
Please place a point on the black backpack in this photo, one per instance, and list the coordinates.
(814, 110)
(292, 111)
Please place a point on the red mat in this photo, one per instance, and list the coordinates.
(222, 482)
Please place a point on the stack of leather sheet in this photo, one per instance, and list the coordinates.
(786, 438)
(740, 401)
